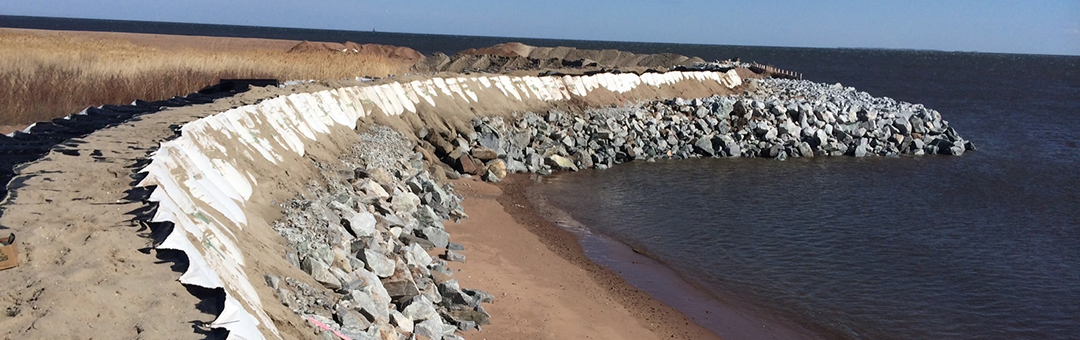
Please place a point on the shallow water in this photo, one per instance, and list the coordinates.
(978, 246)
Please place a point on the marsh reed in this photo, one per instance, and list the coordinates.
(48, 76)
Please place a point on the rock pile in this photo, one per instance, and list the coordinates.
(776, 119)
(366, 237)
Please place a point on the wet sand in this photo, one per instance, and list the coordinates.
(545, 286)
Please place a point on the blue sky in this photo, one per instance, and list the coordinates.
(1040, 27)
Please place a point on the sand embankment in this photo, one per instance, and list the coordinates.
(68, 225)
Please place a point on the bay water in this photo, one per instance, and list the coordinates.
(982, 246)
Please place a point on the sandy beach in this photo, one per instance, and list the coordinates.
(544, 285)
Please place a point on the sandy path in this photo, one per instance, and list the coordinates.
(86, 271)
(544, 286)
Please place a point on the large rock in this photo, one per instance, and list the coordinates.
(377, 263)
(361, 224)
(370, 284)
(400, 286)
(862, 150)
(560, 163)
(467, 165)
(403, 323)
(405, 202)
(383, 177)
(497, 167)
(731, 147)
(437, 236)
(474, 315)
(367, 307)
(435, 329)
(484, 154)
(371, 188)
(704, 146)
(420, 308)
(349, 318)
(416, 255)
(320, 271)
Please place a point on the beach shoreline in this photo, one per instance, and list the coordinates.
(514, 253)
(728, 316)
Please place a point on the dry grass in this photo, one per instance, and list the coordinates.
(48, 76)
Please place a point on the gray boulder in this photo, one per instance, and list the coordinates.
(377, 263)
(420, 308)
(351, 319)
(320, 271)
(361, 224)
(704, 146)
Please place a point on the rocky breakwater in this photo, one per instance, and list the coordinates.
(774, 118)
(366, 236)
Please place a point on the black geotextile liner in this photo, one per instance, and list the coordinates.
(23, 147)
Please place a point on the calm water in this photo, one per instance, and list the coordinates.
(984, 246)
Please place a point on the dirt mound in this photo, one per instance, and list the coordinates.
(510, 49)
(517, 56)
(392, 52)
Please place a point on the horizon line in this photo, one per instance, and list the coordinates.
(5, 24)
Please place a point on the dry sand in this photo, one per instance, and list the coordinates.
(86, 271)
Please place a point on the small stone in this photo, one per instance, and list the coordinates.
(454, 256)
(272, 281)
(490, 177)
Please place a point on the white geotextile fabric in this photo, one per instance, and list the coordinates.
(202, 187)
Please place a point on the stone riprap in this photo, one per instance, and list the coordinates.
(361, 237)
(776, 119)
(214, 181)
(366, 235)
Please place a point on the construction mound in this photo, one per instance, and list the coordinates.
(517, 56)
(392, 52)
